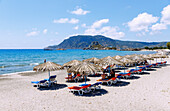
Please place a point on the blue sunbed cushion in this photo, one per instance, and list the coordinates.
(83, 84)
(53, 76)
(123, 73)
(97, 83)
(36, 82)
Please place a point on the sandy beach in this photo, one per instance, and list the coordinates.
(146, 92)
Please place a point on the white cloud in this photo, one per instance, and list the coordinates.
(166, 15)
(142, 22)
(164, 22)
(61, 20)
(158, 26)
(80, 11)
(83, 25)
(97, 29)
(99, 23)
(73, 21)
(76, 27)
(66, 20)
(33, 33)
(45, 31)
(108, 31)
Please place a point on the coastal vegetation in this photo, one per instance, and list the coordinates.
(168, 45)
(153, 48)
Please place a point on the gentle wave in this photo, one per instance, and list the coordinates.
(20, 65)
(32, 64)
(12, 66)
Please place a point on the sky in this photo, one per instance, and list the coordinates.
(35, 24)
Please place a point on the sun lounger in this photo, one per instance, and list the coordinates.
(81, 90)
(40, 83)
(126, 75)
(52, 80)
(135, 71)
(160, 63)
(145, 67)
(109, 82)
(96, 86)
(164, 63)
(76, 78)
(93, 86)
(46, 82)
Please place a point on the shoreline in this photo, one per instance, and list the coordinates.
(146, 92)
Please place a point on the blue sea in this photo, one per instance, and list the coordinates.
(19, 60)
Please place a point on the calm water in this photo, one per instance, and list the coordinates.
(17, 60)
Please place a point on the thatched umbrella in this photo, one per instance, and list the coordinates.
(110, 61)
(85, 67)
(48, 66)
(147, 57)
(137, 58)
(126, 61)
(72, 63)
(117, 57)
(159, 56)
(128, 56)
(93, 60)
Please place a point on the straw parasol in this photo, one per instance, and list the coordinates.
(117, 57)
(147, 57)
(110, 61)
(92, 60)
(72, 63)
(128, 56)
(85, 67)
(126, 60)
(137, 58)
(48, 66)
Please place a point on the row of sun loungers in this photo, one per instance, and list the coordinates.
(87, 88)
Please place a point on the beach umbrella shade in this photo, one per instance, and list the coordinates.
(117, 57)
(110, 61)
(93, 60)
(86, 68)
(127, 56)
(72, 63)
(126, 61)
(48, 66)
(148, 57)
(137, 58)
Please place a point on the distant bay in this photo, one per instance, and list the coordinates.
(18, 60)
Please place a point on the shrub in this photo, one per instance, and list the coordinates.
(168, 45)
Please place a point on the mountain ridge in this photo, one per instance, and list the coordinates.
(82, 41)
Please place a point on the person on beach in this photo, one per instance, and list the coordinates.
(69, 75)
(104, 75)
(146, 63)
(44, 60)
(112, 74)
(74, 74)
